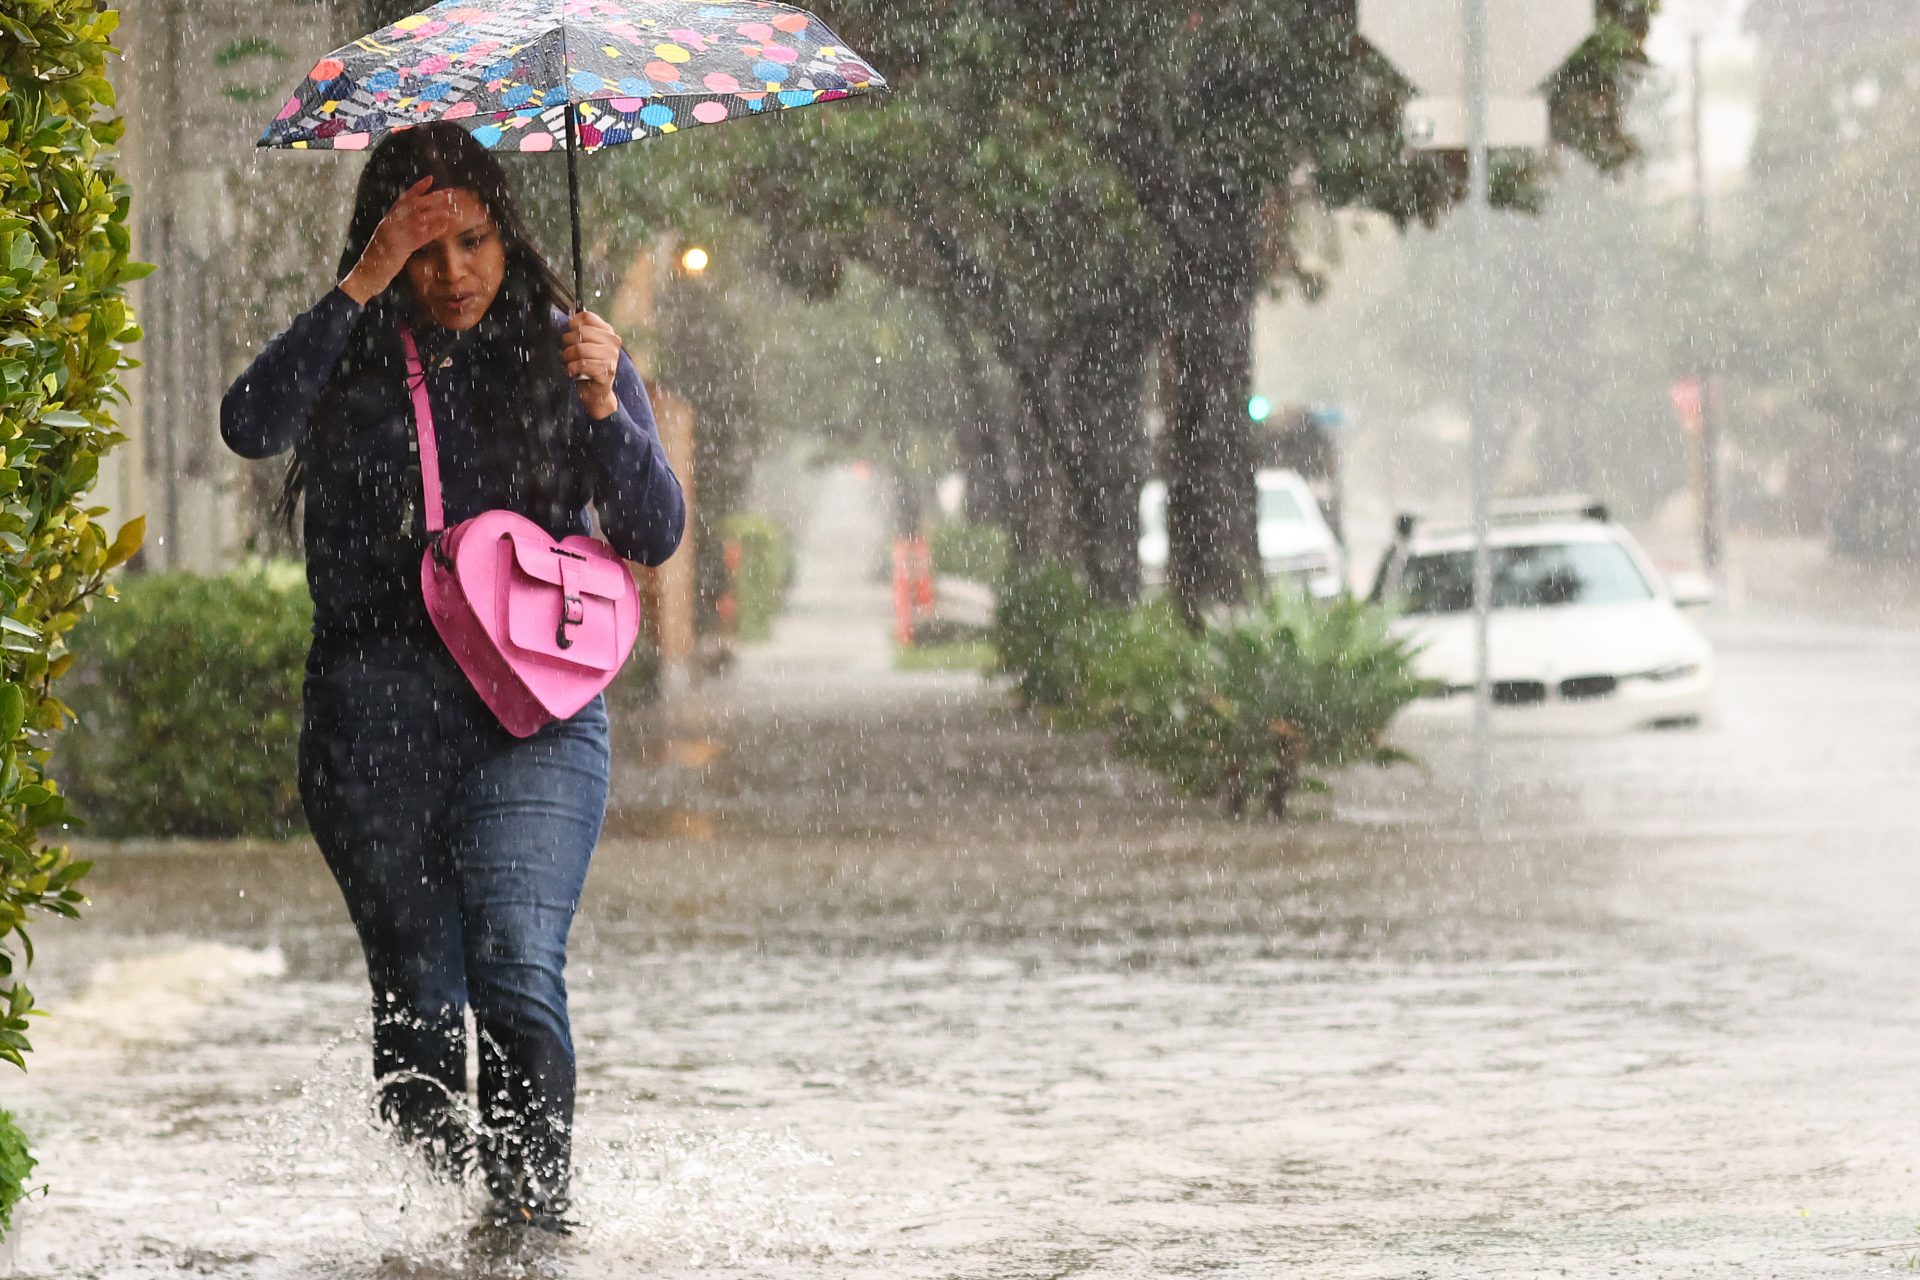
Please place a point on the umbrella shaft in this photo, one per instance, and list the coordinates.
(573, 203)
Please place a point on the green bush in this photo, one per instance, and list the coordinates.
(63, 323)
(766, 571)
(1248, 710)
(963, 550)
(16, 1166)
(187, 694)
(1260, 701)
(1047, 635)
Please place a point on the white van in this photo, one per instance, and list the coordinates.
(1296, 544)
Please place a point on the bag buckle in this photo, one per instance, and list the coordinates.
(572, 614)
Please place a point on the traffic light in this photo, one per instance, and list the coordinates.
(1259, 408)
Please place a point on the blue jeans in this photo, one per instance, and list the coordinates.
(461, 852)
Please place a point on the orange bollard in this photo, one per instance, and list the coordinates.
(922, 580)
(903, 591)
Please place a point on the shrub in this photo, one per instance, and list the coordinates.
(1250, 709)
(766, 571)
(16, 1166)
(963, 550)
(1047, 635)
(63, 322)
(187, 694)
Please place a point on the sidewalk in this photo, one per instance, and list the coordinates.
(838, 621)
(815, 733)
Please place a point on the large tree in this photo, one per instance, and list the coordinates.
(1223, 116)
(976, 198)
(1202, 127)
(1832, 283)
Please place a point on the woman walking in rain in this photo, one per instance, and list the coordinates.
(460, 849)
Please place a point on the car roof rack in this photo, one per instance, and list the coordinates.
(1510, 511)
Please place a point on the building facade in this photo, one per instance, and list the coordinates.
(242, 240)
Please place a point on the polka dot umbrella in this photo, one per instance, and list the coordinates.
(572, 75)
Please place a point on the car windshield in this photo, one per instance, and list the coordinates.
(1534, 577)
(1279, 506)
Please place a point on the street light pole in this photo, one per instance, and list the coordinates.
(1509, 48)
(1711, 547)
(1479, 212)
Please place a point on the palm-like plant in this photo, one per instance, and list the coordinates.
(1261, 700)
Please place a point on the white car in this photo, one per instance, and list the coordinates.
(1584, 629)
(1296, 543)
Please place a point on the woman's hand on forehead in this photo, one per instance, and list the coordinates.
(420, 216)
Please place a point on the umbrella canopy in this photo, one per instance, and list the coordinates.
(508, 70)
(575, 75)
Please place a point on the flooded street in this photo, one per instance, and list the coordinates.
(875, 979)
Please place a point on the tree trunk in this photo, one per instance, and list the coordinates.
(1213, 553)
(1105, 441)
(986, 456)
(1038, 523)
(1081, 461)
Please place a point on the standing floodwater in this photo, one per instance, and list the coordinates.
(874, 979)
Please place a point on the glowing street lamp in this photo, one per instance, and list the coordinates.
(694, 260)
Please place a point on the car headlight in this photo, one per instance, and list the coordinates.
(1677, 671)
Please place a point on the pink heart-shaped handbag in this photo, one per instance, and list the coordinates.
(540, 627)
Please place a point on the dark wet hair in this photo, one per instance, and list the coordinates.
(522, 399)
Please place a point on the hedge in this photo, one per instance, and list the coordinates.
(64, 320)
(765, 572)
(16, 1166)
(188, 697)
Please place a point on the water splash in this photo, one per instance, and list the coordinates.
(647, 1192)
(157, 998)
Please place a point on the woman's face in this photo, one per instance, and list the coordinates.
(456, 277)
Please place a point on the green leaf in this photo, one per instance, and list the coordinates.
(127, 542)
(13, 711)
(64, 271)
(19, 32)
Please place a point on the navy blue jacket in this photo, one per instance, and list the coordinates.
(363, 508)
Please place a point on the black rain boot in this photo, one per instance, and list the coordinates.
(526, 1099)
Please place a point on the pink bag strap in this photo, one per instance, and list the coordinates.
(423, 429)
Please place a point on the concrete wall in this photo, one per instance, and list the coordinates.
(243, 239)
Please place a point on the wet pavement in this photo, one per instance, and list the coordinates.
(876, 980)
